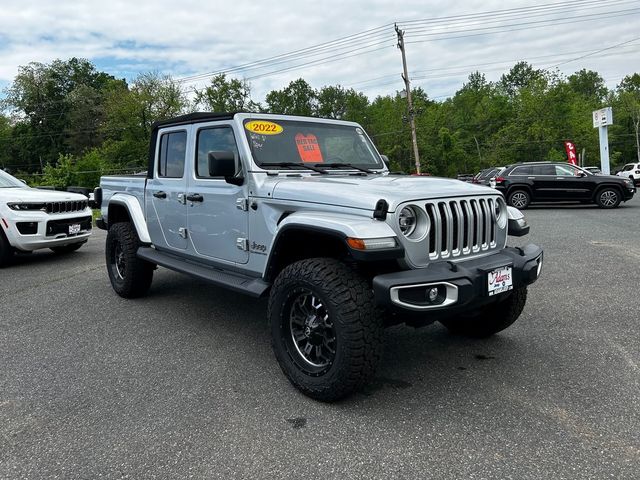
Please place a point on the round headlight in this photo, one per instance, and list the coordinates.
(500, 212)
(407, 221)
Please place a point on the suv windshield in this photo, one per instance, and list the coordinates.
(286, 142)
(7, 181)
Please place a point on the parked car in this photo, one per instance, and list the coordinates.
(631, 171)
(484, 177)
(465, 177)
(525, 183)
(33, 219)
(594, 170)
(304, 211)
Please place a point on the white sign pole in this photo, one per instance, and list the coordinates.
(602, 118)
(604, 150)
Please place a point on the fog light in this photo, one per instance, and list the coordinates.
(432, 294)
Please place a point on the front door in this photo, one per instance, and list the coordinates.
(575, 184)
(165, 193)
(217, 211)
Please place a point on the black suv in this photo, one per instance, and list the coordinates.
(524, 183)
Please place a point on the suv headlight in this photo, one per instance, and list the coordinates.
(26, 206)
(413, 222)
(500, 211)
(407, 220)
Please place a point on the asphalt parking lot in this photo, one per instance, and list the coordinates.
(182, 383)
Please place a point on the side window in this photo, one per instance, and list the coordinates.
(627, 168)
(521, 171)
(214, 139)
(544, 170)
(566, 171)
(173, 148)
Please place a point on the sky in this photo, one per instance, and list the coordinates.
(351, 43)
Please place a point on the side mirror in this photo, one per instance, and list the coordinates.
(385, 159)
(223, 164)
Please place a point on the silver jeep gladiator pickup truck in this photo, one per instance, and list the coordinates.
(304, 210)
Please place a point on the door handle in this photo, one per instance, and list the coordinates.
(195, 197)
(160, 194)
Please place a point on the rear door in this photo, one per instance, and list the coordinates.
(545, 186)
(165, 194)
(218, 217)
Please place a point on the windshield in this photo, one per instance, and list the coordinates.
(7, 181)
(274, 143)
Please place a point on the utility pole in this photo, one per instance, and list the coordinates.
(407, 86)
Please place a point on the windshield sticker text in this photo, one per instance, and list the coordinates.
(308, 148)
(263, 127)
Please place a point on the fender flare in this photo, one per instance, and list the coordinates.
(340, 226)
(133, 207)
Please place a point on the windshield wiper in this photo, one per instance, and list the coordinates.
(293, 164)
(343, 165)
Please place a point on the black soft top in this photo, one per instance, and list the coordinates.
(193, 117)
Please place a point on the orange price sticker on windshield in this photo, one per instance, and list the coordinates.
(308, 148)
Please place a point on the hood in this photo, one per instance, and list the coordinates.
(363, 192)
(36, 195)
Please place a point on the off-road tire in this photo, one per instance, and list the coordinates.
(608, 197)
(67, 248)
(6, 252)
(492, 319)
(356, 324)
(519, 199)
(130, 276)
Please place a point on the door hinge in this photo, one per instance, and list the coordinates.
(242, 204)
(182, 232)
(242, 244)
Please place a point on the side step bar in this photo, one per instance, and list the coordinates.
(252, 286)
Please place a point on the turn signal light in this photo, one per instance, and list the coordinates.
(371, 243)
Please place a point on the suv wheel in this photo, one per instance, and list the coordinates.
(519, 199)
(130, 276)
(6, 252)
(491, 319)
(326, 332)
(608, 198)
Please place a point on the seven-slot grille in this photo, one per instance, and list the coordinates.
(65, 207)
(461, 227)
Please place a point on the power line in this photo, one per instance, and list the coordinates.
(497, 16)
(523, 26)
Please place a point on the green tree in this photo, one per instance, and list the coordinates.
(131, 112)
(62, 103)
(298, 98)
(223, 95)
(629, 104)
(341, 104)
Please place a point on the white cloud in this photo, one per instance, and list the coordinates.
(191, 37)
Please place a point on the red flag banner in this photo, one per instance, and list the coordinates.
(572, 158)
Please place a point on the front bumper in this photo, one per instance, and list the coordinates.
(29, 231)
(461, 286)
(628, 193)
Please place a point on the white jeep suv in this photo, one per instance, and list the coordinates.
(31, 219)
(632, 171)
